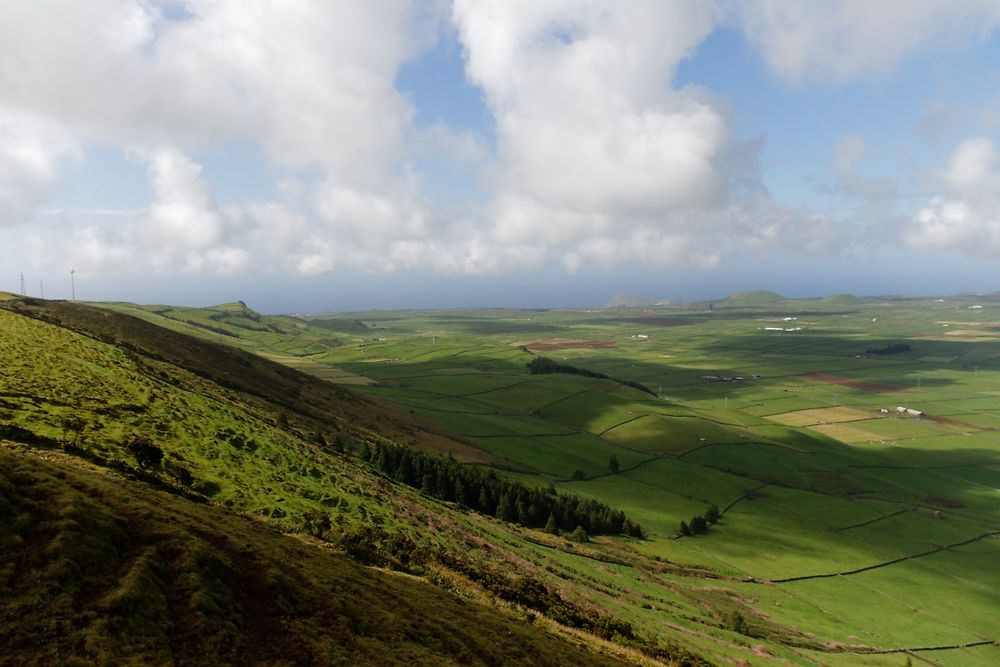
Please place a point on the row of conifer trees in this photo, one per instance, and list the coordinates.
(546, 366)
(484, 491)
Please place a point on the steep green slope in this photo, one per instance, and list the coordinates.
(257, 439)
(828, 504)
(96, 569)
(289, 340)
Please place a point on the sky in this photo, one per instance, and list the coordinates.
(325, 155)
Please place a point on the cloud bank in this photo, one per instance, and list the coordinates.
(966, 216)
(597, 156)
(818, 42)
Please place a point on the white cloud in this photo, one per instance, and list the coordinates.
(459, 146)
(877, 196)
(600, 160)
(182, 229)
(591, 137)
(183, 214)
(310, 82)
(371, 216)
(833, 42)
(586, 118)
(30, 157)
(966, 216)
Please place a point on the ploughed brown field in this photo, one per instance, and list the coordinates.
(855, 384)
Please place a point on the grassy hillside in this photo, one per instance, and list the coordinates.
(289, 340)
(103, 570)
(834, 515)
(841, 300)
(238, 435)
(754, 299)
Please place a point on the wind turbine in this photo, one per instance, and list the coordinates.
(72, 283)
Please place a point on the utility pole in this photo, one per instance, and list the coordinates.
(72, 283)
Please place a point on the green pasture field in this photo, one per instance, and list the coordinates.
(797, 502)
(701, 442)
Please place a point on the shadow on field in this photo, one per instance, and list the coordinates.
(828, 509)
(952, 479)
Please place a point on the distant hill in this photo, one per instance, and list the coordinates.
(754, 299)
(628, 299)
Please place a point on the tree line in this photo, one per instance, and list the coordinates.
(544, 366)
(893, 348)
(699, 524)
(485, 492)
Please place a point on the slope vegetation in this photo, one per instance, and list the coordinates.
(155, 490)
(102, 570)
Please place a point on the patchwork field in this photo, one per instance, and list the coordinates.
(814, 416)
(849, 533)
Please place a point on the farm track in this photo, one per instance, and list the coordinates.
(742, 442)
(447, 356)
(630, 468)
(491, 408)
(877, 519)
(666, 414)
(627, 421)
(887, 563)
(560, 400)
(926, 506)
(493, 389)
(745, 496)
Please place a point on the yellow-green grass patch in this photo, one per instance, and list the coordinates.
(661, 434)
(847, 433)
(812, 416)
